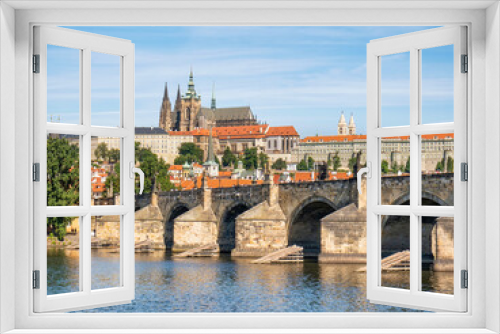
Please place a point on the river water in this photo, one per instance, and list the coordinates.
(164, 284)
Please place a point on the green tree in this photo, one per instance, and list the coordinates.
(302, 165)
(153, 166)
(449, 165)
(439, 166)
(310, 163)
(394, 167)
(279, 164)
(407, 167)
(336, 162)
(385, 167)
(263, 160)
(101, 151)
(189, 152)
(114, 155)
(63, 177)
(250, 158)
(228, 158)
(352, 162)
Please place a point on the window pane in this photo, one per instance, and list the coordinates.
(437, 84)
(395, 252)
(395, 89)
(63, 255)
(437, 169)
(437, 254)
(105, 251)
(63, 170)
(63, 85)
(105, 90)
(105, 170)
(395, 170)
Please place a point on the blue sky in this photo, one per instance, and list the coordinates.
(301, 76)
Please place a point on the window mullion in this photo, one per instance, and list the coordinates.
(415, 251)
(85, 172)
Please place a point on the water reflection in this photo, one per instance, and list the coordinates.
(221, 284)
(62, 271)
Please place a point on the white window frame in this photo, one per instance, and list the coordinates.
(413, 43)
(483, 102)
(86, 44)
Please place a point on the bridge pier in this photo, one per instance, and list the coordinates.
(343, 236)
(197, 227)
(442, 242)
(262, 229)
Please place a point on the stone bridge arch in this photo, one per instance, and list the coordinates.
(396, 229)
(304, 223)
(226, 225)
(173, 211)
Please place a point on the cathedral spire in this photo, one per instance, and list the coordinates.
(178, 92)
(191, 93)
(213, 106)
(165, 110)
(165, 93)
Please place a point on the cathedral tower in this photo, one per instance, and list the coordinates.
(352, 126)
(187, 107)
(166, 108)
(342, 126)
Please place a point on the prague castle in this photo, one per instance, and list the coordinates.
(347, 144)
(188, 113)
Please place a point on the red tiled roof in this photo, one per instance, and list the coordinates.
(282, 131)
(175, 167)
(349, 138)
(302, 176)
(326, 139)
(195, 132)
(246, 131)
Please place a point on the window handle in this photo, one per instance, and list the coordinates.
(135, 170)
(366, 170)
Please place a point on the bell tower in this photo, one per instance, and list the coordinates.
(342, 126)
(188, 107)
(352, 126)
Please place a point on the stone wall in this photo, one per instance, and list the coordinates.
(192, 234)
(197, 227)
(343, 236)
(442, 240)
(149, 229)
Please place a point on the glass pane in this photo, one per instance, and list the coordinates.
(395, 89)
(437, 84)
(437, 254)
(105, 251)
(437, 169)
(63, 170)
(105, 90)
(105, 170)
(395, 170)
(63, 255)
(63, 85)
(395, 252)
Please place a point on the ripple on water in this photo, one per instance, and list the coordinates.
(221, 284)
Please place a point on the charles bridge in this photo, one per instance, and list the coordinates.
(327, 218)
